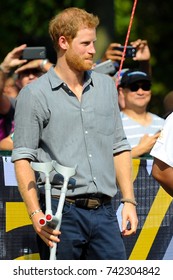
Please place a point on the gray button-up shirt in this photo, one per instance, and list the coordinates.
(52, 124)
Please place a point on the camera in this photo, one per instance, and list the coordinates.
(130, 51)
(106, 67)
(30, 53)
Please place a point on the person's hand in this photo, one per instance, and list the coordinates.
(33, 64)
(111, 53)
(145, 145)
(46, 233)
(129, 219)
(12, 59)
(142, 50)
(148, 141)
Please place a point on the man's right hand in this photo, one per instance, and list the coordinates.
(46, 233)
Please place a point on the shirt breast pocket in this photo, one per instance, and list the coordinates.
(105, 124)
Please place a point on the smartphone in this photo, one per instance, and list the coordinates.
(106, 67)
(130, 51)
(30, 53)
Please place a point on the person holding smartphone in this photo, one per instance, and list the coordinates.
(137, 50)
(25, 71)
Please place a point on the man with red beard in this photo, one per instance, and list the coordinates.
(71, 115)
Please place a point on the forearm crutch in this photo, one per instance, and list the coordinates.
(66, 172)
(51, 220)
(46, 168)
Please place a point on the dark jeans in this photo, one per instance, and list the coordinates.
(87, 234)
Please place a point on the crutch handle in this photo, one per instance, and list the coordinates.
(49, 217)
(42, 222)
(53, 223)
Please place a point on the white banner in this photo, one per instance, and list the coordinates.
(9, 174)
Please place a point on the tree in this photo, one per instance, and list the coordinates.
(27, 21)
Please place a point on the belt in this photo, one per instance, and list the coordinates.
(87, 202)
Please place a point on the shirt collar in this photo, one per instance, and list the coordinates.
(56, 82)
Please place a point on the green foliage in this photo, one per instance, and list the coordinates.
(122, 19)
(152, 21)
(28, 18)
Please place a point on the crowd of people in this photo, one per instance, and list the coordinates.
(68, 113)
(23, 73)
(142, 128)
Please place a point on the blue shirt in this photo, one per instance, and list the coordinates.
(52, 124)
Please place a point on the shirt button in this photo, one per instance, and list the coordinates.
(83, 110)
(90, 155)
(86, 131)
(94, 178)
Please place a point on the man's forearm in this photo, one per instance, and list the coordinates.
(123, 167)
(26, 184)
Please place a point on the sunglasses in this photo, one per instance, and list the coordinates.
(143, 86)
(35, 72)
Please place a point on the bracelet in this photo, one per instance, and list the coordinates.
(43, 63)
(35, 212)
(123, 200)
